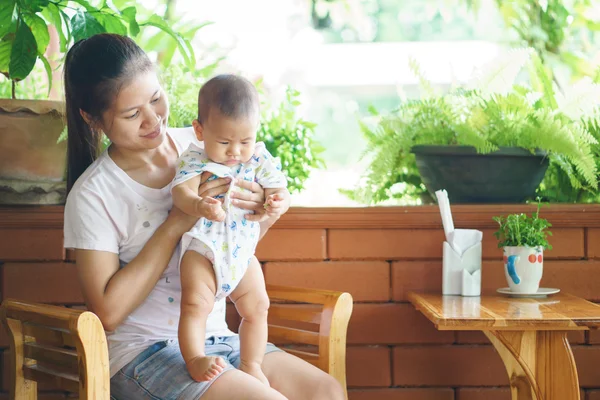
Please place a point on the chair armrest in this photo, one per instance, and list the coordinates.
(332, 320)
(63, 347)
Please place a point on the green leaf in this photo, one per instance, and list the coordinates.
(85, 25)
(33, 5)
(541, 80)
(88, 7)
(24, 53)
(183, 45)
(166, 56)
(129, 14)
(67, 23)
(52, 14)
(5, 48)
(112, 24)
(39, 29)
(6, 17)
(48, 70)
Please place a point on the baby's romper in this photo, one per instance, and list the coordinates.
(228, 245)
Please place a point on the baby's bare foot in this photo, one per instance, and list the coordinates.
(254, 370)
(205, 368)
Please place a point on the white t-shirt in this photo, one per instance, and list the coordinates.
(108, 211)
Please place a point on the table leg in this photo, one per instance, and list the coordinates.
(540, 364)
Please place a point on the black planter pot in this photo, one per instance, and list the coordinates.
(509, 175)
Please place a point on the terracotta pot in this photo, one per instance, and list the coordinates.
(29, 153)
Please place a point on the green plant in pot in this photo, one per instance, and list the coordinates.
(490, 141)
(523, 239)
(32, 160)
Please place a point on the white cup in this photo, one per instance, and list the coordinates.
(523, 268)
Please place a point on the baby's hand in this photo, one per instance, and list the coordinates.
(211, 209)
(274, 205)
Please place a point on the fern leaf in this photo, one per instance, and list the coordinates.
(425, 83)
(499, 75)
(580, 99)
(541, 79)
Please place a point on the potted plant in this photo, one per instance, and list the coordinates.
(523, 239)
(32, 160)
(491, 141)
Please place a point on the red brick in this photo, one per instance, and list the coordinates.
(292, 244)
(365, 280)
(41, 282)
(593, 242)
(587, 359)
(415, 275)
(31, 244)
(401, 394)
(594, 336)
(581, 278)
(386, 244)
(476, 337)
(483, 394)
(392, 324)
(592, 395)
(368, 366)
(496, 393)
(566, 243)
(448, 366)
(410, 244)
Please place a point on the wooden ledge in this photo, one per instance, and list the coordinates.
(410, 217)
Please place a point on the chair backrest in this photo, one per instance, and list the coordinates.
(327, 311)
(63, 347)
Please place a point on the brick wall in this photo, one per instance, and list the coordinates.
(378, 255)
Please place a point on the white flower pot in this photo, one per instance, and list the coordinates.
(523, 268)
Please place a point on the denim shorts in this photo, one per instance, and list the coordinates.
(159, 372)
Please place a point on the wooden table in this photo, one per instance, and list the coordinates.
(529, 334)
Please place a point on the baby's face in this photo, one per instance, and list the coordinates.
(228, 141)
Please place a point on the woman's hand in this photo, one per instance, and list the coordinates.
(213, 188)
(253, 199)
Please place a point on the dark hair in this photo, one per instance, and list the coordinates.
(95, 71)
(233, 96)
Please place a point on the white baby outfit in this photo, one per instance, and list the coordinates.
(230, 244)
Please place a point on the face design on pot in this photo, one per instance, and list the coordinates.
(523, 263)
(535, 256)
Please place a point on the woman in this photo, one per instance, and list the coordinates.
(118, 218)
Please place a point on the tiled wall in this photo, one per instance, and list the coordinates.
(378, 255)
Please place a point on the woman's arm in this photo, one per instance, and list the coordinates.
(113, 293)
(185, 196)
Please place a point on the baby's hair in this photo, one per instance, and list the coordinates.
(231, 95)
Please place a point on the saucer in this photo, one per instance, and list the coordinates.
(542, 292)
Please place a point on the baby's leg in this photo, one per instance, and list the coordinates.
(251, 300)
(198, 289)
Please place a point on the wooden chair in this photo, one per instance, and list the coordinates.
(332, 319)
(67, 348)
(64, 347)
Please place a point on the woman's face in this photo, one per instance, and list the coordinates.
(138, 117)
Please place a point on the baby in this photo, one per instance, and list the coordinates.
(218, 253)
